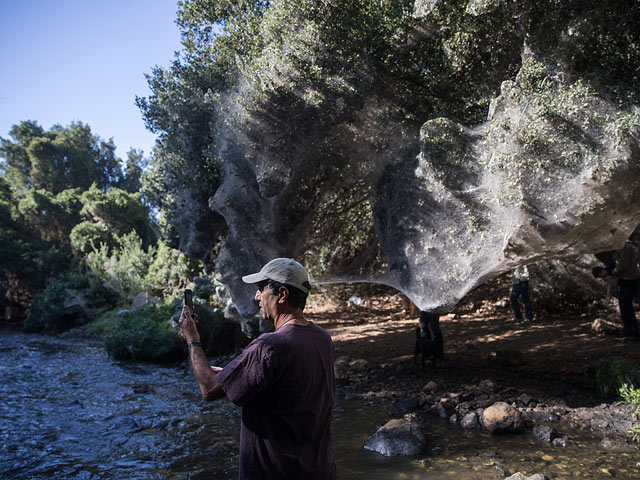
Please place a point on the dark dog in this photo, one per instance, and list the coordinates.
(427, 347)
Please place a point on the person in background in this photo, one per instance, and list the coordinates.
(520, 288)
(429, 325)
(283, 380)
(625, 268)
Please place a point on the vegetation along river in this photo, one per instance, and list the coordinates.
(69, 411)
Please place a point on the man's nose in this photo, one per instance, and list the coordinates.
(256, 297)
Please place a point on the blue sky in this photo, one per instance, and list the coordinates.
(75, 60)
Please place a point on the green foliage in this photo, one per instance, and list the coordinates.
(58, 159)
(51, 216)
(597, 41)
(614, 372)
(108, 216)
(129, 268)
(62, 192)
(145, 334)
(51, 312)
(631, 395)
(123, 268)
(133, 171)
(23, 253)
(203, 288)
(169, 271)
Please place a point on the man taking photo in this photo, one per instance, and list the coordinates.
(284, 381)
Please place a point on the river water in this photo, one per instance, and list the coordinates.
(69, 411)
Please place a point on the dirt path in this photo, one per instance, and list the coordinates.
(552, 358)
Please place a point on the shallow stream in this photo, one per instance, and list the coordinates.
(69, 411)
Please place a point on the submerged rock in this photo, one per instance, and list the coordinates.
(397, 437)
(521, 476)
(545, 433)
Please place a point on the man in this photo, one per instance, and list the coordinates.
(284, 381)
(625, 267)
(429, 325)
(520, 288)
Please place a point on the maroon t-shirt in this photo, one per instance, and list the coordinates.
(285, 383)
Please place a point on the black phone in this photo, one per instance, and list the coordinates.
(188, 299)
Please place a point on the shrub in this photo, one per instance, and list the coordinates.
(614, 372)
(124, 268)
(169, 271)
(51, 312)
(145, 334)
(203, 287)
(632, 397)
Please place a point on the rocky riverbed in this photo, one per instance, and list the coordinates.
(544, 372)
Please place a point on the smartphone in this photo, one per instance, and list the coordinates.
(188, 299)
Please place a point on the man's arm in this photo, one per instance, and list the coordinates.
(205, 374)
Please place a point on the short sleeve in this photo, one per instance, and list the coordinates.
(248, 374)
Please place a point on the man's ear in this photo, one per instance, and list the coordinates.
(283, 295)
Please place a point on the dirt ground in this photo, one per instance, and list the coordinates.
(553, 357)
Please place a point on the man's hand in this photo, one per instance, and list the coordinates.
(188, 325)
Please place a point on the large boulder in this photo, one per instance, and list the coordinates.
(142, 299)
(397, 437)
(502, 418)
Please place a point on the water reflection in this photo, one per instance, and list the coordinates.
(69, 411)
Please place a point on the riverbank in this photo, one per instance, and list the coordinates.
(546, 369)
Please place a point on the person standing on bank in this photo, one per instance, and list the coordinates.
(283, 380)
(625, 267)
(520, 288)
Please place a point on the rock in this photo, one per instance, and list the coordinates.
(142, 299)
(406, 404)
(526, 401)
(560, 442)
(76, 308)
(487, 385)
(143, 388)
(502, 417)
(359, 365)
(544, 433)
(615, 445)
(430, 387)
(520, 476)
(506, 358)
(445, 409)
(470, 421)
(397, 437)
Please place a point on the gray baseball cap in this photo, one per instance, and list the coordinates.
(283, 270)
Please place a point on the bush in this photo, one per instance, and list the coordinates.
(124, 268)
(614, 372)
(51, 310)
(169, 271)
(145, 334)
(203, 288)
(632, 397)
